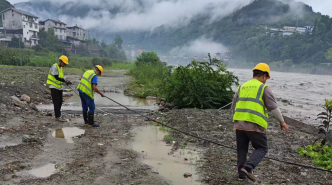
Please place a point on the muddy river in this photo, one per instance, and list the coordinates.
(300, 96)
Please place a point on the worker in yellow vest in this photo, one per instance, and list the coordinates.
(251, 102)
(86, 88)
(55, 81)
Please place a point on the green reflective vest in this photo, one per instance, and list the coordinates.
(51, 79)
(250, 106)
(86, 83)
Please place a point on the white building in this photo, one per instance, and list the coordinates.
(76, 35)
(301, 30)
(58, 26)
(21, 24)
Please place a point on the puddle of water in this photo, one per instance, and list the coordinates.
(171, 167)
(68, 133)
(44, 171)
(119, 97)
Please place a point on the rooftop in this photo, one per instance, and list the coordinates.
(75, 27)
(20, 11)
(55, 21)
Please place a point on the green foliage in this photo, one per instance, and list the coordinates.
(147, 57)
(15, 43)
(12, 56)
(49, 43)
(326, 118)
(320, 154)
(169, 138)
(113, 50)
(328, 54)
(118, 42)
(148, 77)
(199, 85)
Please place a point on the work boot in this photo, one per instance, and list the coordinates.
(249, 174)
(85, 117)
(91, 120)
(242, 176)
(60, 119)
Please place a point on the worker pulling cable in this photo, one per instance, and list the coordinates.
(208, 140)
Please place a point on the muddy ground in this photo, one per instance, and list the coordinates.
(100, 156)
(104, 156)
(219, 164)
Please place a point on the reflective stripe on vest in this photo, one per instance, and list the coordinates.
(86, 83)
(250, 106)
(51, 80)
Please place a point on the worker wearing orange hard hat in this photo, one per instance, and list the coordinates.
(55, 81)
(250, 104)
(86, 88)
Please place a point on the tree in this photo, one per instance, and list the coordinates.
(147, 57)
(49, 42)
(118, 42)
(15, 43)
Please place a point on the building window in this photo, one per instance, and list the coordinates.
(13, 15)
(3, 16)
(30, 25)
(36, 26)
(13, 23)
(24, 26)
(25, 39)
(34, 41)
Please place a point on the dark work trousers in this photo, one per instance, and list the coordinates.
(57, 96)
(258, 141)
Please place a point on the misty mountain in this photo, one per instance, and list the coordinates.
(195, 27)
(168, 35)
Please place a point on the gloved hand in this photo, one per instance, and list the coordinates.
(68, 82)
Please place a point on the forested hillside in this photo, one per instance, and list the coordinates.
(243, 32)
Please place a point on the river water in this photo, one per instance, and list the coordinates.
(300, 96)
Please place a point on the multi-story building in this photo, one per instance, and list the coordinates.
(58, 26)
(21, 24)
(76, 35)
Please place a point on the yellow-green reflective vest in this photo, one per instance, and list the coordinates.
(51, 79)
(86, 83)
(250, 106)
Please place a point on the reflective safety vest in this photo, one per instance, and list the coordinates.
(250, 106)
(51, 79)
(86, 83)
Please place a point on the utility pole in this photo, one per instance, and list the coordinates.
(19, 43)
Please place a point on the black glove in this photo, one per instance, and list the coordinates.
(68, 82)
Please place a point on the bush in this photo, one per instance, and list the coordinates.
(199, 85)
(147, 57)
(12, 56)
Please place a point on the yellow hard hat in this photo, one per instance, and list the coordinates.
(100, 69)
(64, 59)
(263, 67)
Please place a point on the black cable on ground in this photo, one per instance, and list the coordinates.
(210, 141)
